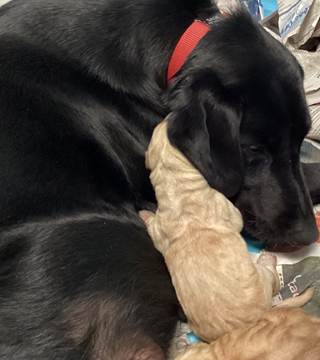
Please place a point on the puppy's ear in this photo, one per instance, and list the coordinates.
(206, 131)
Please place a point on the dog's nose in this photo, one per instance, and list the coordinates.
(306, 234)
(301, 235)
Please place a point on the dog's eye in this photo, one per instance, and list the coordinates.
(255, 156)
(256, 149)
(253, 149)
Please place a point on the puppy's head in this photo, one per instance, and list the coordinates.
(240, 118)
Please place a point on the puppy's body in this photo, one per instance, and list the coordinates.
(282, 334)
(197, 230)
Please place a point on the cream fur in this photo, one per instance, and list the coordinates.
(197, 230)
(282, 334)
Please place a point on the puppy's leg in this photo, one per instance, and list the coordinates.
(298, 301)
(267, 260)
(267, 263)
(154, 229)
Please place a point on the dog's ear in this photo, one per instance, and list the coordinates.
(207, 131)
(201, 9)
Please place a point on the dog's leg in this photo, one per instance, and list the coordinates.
(91, 285)
(153, 352)
(96, 324)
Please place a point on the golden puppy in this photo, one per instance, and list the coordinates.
(281, 334)
(197, 230)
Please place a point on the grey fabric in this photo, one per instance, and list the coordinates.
(300, 276)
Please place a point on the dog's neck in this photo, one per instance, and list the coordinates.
(129, 44)
(126, 45)
(182, 192)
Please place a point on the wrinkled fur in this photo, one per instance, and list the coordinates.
(282, 334)
(197, 229)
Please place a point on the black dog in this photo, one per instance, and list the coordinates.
(82, 85)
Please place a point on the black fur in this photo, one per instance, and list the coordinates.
(82, 85)
(248, 93)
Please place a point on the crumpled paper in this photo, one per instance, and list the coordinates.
(310, 62)
(297, 25)
(298, 21)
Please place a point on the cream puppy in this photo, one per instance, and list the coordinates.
(281, 334)
(197, 230)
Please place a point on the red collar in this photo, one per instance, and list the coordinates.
(187, 43)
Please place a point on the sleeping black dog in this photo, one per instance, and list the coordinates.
(82, 85)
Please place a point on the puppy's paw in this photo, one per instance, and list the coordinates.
(268, 260)
(146, 215)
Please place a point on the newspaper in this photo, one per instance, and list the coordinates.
(315, 116)
(297, 25)
(310, 62)
(298, 20)
(2, 2)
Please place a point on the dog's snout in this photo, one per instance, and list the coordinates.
(305, 233)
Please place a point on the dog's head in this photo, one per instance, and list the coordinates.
(240, 116)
